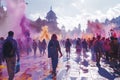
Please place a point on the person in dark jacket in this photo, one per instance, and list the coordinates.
(34, 46)
(98, 48)
(1, 55)
(67, 47)
(44, 44)
(11, 60)
(53, 49)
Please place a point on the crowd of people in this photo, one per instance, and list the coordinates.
(100, 47)
(29, 45)
(11, 51)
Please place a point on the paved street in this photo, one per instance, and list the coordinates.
(73, 68)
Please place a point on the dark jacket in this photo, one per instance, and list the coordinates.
(53, 48)
(15, 46)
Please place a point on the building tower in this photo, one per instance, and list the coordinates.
(51, 16)
(52, 22)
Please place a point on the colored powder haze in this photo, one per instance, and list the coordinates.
(76, 11)
(15, 11)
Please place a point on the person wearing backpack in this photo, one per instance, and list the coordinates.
(10, 54)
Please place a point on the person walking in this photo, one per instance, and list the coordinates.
(40, 47)
(34, 46)
(10, 54)
(53, 49)
(78, 46)
(44, 45)
(68, 47)
(1, 44)
(1, 55)
(98, 47)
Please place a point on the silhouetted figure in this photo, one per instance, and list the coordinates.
(44, 45)
(91, 46)
(114, 46)
(114, 51)
(107, 49)
(28, 45)
(85, 48)
(40, 47)
(10, 53)
(85, 45)
(98, 47)
(34, 45)
(78, 46)
(67, 47)
(1, 55)
(53, 49)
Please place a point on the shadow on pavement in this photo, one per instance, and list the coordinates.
(103, 72)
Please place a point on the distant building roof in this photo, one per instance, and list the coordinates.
(38, 20)
(51, 15)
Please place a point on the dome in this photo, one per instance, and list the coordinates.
(51, 15)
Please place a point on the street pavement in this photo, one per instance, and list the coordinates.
(75, 67)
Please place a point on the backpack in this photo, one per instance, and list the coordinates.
(8, 50)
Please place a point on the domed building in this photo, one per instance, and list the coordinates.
(52, 22)
(51, 16)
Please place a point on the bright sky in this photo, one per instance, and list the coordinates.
(72, 12)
